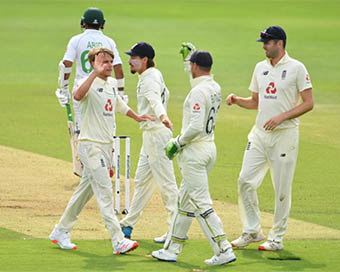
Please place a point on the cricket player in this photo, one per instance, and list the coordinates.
(99, 100)
(154, 168)
(77, 50)
(277, 85)
(196, 156)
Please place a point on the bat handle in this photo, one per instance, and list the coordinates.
(69, 112)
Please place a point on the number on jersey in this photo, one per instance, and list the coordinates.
(210, 126)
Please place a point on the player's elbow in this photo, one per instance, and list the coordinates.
(310, 106)
(77, 96)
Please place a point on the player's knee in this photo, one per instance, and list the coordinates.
(245, 184)
(186, 213)
(206, 213)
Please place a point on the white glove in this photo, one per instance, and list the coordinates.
(186, 51)
(63, 96)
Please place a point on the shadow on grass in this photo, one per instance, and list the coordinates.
(283, 260)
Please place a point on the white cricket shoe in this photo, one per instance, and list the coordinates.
(161, 239)
(62, 239)
(247, 238)
(164, 255)
(125, 246)
(226, 257)
(271, 246)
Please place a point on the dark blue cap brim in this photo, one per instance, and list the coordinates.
(263, 40)
(130, 53)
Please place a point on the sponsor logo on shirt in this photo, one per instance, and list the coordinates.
(100, 90)
(307, 78)
(265, 73)
(284, 73)
(271, 91)
(196, 107)
(108, 108)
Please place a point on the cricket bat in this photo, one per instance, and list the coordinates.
(77, 166)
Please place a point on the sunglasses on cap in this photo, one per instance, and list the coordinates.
(265, 35)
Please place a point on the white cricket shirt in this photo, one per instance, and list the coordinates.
(79, 47)
(152, 97)
(200, 110)
(98, 109)
(278, 88)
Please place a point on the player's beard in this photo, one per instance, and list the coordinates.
(135, 64)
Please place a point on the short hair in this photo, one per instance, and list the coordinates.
(91, 26)
(204, 69)
(100, 49)
(284, 42)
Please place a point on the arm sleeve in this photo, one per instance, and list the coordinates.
(71, 50)
(254, 86)
(121, 106)
(197, 116)
(302, 78)
(117, 60)
(152, 92)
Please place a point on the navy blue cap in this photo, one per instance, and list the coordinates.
(272, 33)
(202, 58)
(142, 49)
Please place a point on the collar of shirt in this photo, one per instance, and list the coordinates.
(194, 82)
(146, 72)
(91, 30)
(283, 60)
(102, 82)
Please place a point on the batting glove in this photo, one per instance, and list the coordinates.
(63, 96)
(173, 147)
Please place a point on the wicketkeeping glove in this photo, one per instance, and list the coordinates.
(63, 96)
(186, 51)
(173, 147)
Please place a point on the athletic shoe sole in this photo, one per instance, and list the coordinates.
(233, 245)
(56, 242)
(170, 261)
(134, 246)
(265, 249)
(232, 260)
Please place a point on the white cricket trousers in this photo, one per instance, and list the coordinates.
(195, 161)
(276, 150)
(96, 159)
(154, 169)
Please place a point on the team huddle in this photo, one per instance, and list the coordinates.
(276, 87)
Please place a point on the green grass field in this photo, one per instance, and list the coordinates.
(34, 35)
